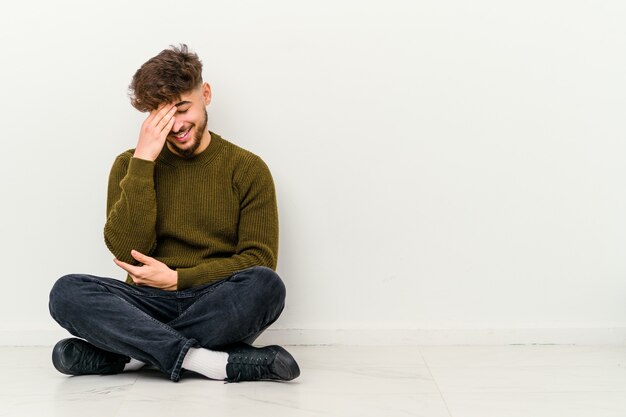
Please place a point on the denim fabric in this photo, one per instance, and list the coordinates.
(157, 326)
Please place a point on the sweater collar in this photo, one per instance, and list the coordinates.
(204, 157)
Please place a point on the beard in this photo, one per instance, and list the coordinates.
(189, 150)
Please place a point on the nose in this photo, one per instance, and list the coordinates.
(178, 124)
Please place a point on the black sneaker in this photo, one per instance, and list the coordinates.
(247, 363)
(78, 357)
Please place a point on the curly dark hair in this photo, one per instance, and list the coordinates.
(165, 78)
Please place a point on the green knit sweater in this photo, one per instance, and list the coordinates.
(206, 217)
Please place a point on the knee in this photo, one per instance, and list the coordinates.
(270, 284)
(63, 295)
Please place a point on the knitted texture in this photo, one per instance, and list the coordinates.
(206, 217)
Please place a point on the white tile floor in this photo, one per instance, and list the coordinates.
(451, 381)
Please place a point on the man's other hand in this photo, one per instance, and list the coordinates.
(152, 273)
(154, 131)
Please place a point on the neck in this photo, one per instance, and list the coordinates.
(204, 143)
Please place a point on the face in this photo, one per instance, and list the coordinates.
(189, 135)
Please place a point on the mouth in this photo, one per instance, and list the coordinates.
(182, 137)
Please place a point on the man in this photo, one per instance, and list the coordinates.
(192, 219)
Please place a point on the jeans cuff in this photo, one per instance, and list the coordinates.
(175, 375)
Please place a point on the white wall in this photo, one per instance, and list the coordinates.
(439, 164)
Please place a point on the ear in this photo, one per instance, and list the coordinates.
(206, 93)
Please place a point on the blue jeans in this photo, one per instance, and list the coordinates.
(158, 327)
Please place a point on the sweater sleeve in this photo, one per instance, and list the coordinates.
(131, 208)
(258, 231)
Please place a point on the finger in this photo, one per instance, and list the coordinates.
(132, 270)
(166, 119)
(154, 113)
(162, 110)
(161, 113)
(168, 128)
(144, 259)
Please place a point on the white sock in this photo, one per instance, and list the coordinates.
(209, 363)
(133, 365)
